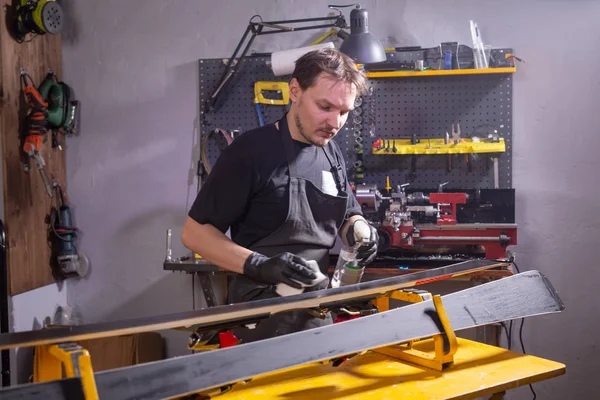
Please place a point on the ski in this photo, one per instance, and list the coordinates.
(253, 310)
(524, 295)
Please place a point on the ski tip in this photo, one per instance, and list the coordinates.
(537, 274)
(551, 289)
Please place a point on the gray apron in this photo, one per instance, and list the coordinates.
(309, 231)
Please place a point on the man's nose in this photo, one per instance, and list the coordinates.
(335, 120)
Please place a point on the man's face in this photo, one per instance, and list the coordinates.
(322, 109)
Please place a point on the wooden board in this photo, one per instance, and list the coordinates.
(122, 351)
(26, 203)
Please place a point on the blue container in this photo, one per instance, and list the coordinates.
(447, 59)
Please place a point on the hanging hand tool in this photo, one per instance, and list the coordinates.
(282, 88)
(36, 127)
(371, 111)
(36, 17)
(447, 141)
(413, 160)
(71, 262)
(63, 111)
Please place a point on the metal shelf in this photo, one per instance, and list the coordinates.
(438, 72)
(437, 146)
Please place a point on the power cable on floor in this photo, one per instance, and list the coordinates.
(521, 336)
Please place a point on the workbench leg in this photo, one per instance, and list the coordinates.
(488, 334)
(207, 290)
(498, 396)
(207, 282)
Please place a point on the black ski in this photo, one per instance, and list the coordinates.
(523, 295)
(211, 316)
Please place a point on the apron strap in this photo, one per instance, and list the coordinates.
(288, 146)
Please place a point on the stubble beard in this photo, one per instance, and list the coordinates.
(303, 133)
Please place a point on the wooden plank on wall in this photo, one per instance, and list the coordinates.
(26, 203)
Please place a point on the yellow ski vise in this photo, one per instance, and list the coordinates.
(444, 344)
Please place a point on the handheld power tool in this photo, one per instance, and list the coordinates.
(71, 261)
(63, 111)
(36, 17)
(36, 127)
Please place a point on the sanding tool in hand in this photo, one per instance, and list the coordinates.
(71, 261)
(36, 127)
(286, 290)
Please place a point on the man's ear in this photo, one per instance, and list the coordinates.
(295, 90)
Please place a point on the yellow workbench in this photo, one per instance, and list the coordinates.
(478, 370)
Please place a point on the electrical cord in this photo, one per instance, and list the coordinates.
(508, 333)
(55, 217)
(521, 335)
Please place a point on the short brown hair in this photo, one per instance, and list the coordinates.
(333, 62)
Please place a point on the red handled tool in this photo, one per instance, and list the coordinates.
(36, 127)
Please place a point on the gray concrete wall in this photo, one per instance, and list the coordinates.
(132, 64)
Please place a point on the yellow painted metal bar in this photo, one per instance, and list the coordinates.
(411, 296)
(440, 358)
(330, 32)
(445, 357)
(437, 146)
(86, 373)
(382, 303)
(438, 72)
(46, 367)
(50, 360)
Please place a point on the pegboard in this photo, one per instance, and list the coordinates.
(399, 107)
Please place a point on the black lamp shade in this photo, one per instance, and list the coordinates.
(361, 45)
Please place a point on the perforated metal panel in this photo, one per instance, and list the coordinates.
(424, 106)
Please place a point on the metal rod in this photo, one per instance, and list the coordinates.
(461, 238)
(4, 328)
(292, 21)
(237, 48)
(299, 29)
(496, 174)
(169, 256)
(232, 68)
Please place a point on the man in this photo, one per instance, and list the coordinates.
(284, 192)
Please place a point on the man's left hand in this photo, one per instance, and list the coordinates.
(365, 236)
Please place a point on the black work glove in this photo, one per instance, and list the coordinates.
(366, 235)
(283, 268)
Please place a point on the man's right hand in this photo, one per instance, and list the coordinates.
(283, 268)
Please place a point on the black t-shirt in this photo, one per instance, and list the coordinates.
(247, 189)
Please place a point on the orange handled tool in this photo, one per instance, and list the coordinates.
(34, 98)
(37, 126)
